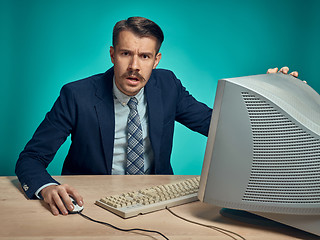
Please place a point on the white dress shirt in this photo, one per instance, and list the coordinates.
(121, 110)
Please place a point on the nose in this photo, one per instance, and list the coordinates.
(134, 64)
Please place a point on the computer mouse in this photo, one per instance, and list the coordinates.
(76, 207)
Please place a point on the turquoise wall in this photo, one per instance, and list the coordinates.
(45, 44)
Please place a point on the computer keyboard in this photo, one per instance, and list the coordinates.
(151, 199)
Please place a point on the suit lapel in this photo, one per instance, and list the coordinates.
(105, 113)
(155, 115)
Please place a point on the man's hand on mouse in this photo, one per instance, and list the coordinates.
(57, 196)
(284, 70)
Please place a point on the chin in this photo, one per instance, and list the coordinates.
(132, 92)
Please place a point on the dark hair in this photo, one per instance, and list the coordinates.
(140, 26)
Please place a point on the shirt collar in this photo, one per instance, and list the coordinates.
(123, 98)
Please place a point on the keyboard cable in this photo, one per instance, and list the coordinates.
(221, 230)
(121, 229)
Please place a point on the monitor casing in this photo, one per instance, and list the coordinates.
(263, 149)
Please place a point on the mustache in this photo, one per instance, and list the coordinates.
(133, 74)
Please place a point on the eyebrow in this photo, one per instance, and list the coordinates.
(144, 53)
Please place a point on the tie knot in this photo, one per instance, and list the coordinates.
(133, 102)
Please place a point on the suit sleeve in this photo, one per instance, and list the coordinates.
(192, 113)
(41, 149)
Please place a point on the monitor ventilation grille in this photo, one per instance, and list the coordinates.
(286, 159)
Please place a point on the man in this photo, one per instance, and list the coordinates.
(97, 111)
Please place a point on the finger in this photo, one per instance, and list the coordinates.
(295, 74)
(54, 209)
(284, 70)
(66, 199)
(47, 194)
(76, 196)
(60, 205)
(272, 70)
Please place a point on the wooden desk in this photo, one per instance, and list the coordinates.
(31, 219)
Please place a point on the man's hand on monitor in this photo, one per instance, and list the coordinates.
(58, 198)
(284, 70)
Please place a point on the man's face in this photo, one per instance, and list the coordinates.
(133, 58)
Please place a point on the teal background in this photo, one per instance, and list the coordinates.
(45, 44)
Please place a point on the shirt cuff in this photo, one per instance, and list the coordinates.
(37, 193)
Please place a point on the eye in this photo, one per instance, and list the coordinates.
(145, 56)
(125, 53)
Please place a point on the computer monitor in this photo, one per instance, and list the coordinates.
(263, 150)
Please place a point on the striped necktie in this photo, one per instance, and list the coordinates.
(135, 150)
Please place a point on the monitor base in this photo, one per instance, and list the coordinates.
(247, 217)
(308, 224)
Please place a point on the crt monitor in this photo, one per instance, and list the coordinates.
(263, 150)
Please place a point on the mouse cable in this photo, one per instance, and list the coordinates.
(121, 229)
(221, 230)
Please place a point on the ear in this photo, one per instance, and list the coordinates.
(112, 54)
(157, 60)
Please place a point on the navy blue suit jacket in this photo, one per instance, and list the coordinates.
(85, 109)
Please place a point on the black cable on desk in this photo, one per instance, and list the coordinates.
(221, 230)
(121, 229)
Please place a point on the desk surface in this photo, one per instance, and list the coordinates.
(31, 219)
